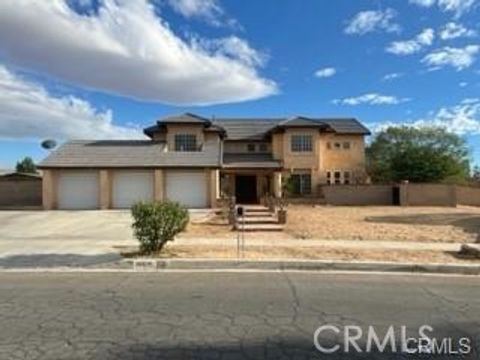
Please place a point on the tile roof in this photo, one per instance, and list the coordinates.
(250, 161)
(246, 129)
(258, 128)
(186, 118)
(128, 153)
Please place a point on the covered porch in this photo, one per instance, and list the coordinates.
(250, 177)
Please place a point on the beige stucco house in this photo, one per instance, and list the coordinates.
(195, 160)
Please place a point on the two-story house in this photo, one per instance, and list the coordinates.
(195, 160)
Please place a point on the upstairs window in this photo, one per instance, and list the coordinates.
(186, 142)
(263, 148)
(302, 184)
(251, 147)
(346, 145)
(301, 143)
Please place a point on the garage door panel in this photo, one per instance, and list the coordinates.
(130, 187)
(78, 190)
(189, 188)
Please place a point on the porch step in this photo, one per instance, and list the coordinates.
(261, 227)
(267, 219)
(254, 208)
(258, 214)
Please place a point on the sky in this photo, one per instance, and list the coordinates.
(89, 69)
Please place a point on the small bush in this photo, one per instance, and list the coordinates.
(157, 223)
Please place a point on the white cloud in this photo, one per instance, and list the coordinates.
(453, 30)
(392, 76)
(408, 47)
(458, 7)
(458, 58)
(461, 119)
(209, 10)
(325, 72)
(232, 46)
(369, 21)
(371, 99)
(126, 49)
(28, 110)
(191, 8)
(424, 3)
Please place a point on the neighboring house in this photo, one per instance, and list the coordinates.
(194, 160)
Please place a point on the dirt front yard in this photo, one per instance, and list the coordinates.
(312, 253)
(421, 224)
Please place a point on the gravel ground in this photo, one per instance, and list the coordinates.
(422, 224)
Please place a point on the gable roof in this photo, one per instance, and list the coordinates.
(185, 118)
(258, 128)
(246, 129)
(128, 154)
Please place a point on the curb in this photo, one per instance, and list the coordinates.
(146, 264)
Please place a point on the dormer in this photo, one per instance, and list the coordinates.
(184, 133)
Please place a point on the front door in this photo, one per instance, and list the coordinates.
(246, 189)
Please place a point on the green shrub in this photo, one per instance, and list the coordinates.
(157, 223)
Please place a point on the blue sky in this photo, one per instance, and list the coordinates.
(105, 69)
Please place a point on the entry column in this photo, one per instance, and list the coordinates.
(277, 184)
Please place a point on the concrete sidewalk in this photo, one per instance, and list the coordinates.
(343, 244)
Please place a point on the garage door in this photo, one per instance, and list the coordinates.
(130, 187)
(78, 190)
(189, 188)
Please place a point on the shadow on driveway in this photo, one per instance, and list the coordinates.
(58, 260)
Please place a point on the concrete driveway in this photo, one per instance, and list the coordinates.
(66, 238)
(63, 238)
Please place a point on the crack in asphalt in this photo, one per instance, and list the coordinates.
(129, 317)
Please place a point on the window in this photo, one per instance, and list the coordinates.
(302, 184)
(329, 178)
(251, 147)
(329, 145)
(186, 142)
(337, 146)
(301, 143)
(346, 145)
(338, 177)
(263, 148)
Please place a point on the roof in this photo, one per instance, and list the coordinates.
(246, 129)
(250, 161)
(20, 175)
(186, 118)
(259, 128)
(128, 153)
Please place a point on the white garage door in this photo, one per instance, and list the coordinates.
(189, 188)
(78, 190)
(130, 187)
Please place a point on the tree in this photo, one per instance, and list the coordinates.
(428, 154)
(26, 165)
(476, 175)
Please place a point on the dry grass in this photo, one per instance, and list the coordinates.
(213, 227)
(314, 253)
(423, 224)
(387, 223)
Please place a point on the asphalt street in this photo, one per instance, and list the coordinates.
(216, 315)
